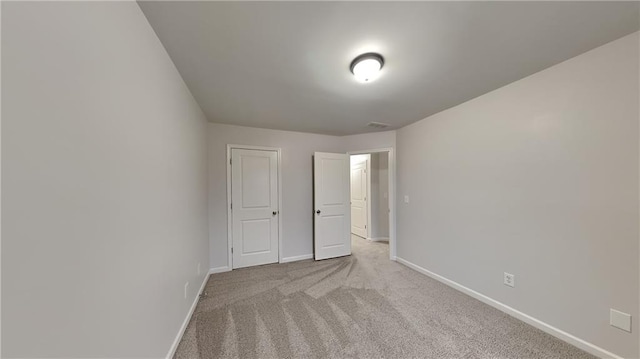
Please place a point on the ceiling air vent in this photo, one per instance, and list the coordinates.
(378, 125)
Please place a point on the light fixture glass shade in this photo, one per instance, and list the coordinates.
(366, 67)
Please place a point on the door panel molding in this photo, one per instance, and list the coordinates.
(229, 197)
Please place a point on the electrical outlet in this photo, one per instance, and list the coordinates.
(509, 279)
(186, 289)
(198, 268)
(620, 320)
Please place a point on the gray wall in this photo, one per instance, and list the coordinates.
(104, 165)
(369, 141)
(297, 197)
(297, 180)
(540, 179)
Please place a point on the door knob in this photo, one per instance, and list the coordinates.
(318, 211)
(274, 213)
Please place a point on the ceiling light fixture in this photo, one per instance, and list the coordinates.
(366, 67)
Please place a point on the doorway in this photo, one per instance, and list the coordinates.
(370, 206)
(360, 195)
(332, 202)
(253, 188)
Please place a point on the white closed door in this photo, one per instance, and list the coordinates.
(254, 207)
(332, 224)
(359, 198)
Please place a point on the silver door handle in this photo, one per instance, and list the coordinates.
(274, 213)
(318, 211)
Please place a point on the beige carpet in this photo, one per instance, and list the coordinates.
(362, 306)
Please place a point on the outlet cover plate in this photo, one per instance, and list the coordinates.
(620, 320)
(509, 279)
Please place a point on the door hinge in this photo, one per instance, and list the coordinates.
(230, 160)
(231, 250)
(232, 206)
(365, 226)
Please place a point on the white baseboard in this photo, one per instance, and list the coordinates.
(219, 270)
(176, 341)
(379, 239)
(296, 258)
(560, 334)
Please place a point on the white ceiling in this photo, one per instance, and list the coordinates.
(285, 65)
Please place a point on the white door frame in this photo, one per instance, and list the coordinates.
(229, 214)
(392, 194)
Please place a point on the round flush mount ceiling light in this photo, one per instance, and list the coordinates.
(366, 67)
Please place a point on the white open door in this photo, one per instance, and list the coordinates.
(254, 202)
(332, 218)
